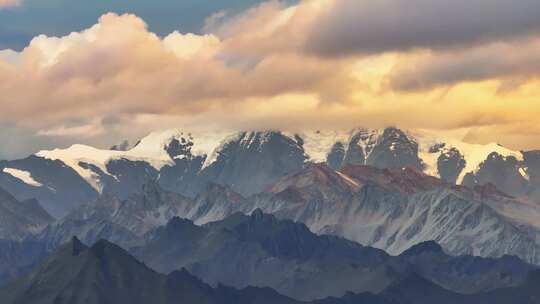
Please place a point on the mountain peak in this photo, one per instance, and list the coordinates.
(77, 246)
(424, 247)
(183, 275)
(123, 146)
(257, 214)
(178, 225)
(99, 248)
(318, 175)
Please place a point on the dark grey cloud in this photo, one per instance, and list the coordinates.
(511, 63)
(354, 27)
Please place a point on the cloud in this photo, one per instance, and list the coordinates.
(6, 3)
(352, 27)
(9, 56)
(512, 63)
(90, 129)
(273, 66)
(18, 25)
(118, 66)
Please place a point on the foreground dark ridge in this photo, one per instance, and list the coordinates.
(106, 274)
(262, 250)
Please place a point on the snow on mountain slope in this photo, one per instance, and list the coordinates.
(213, 145)
(367, 139)
(24, 176)
(76, 154)
(317, 144)
(473, 154)
(186, 161)
(150, 149)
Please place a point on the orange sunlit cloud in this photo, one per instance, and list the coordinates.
(278, 67)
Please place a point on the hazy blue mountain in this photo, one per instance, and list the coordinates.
(123, 221)
(260, 250)
(105, 273)
(466, 274)
(18, 258)
(19, 219)
(390, 209)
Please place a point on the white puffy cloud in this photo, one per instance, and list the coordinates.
(119, 66)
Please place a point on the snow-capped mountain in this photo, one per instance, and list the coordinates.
(250, 162)
(58, 187)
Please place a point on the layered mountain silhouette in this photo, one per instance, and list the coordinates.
(126, 221)
(261, 250)
(390, 209)
(367, 216)
(466, 273)
(104, 273)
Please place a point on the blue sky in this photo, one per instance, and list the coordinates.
(57, 17)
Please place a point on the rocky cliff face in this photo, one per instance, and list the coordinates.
(394, 210)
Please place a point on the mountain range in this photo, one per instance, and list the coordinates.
(249, 162)
(261, 250)
(104, 273)
(258, 250)
(367, 216)
(390, 209)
